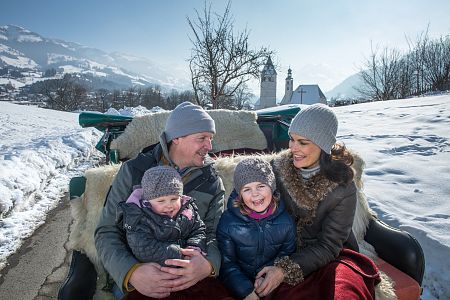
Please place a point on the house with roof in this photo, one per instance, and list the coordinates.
(303, 94)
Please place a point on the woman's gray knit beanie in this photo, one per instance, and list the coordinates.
(161, 181)
(186, 119)
(317, 123)
(253, 169)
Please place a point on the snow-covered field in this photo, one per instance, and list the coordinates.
(40, 150)
(405, 143)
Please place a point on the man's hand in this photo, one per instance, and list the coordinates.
(190, 270)
(149, 280)
(273, 277)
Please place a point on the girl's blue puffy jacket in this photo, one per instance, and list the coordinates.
(248, 245)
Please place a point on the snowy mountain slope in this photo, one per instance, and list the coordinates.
(346, 89)
(23, 49)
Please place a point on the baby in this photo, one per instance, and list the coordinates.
(159, 220)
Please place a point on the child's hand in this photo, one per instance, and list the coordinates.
(252, 296)
(272, 278)
(197, 249)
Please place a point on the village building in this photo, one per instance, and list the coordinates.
(303, 94)
(268, 85)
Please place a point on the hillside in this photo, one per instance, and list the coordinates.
(26, 56)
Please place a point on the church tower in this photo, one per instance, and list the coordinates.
(289, 88)
(268, 93)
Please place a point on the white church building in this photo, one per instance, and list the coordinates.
(303, 94)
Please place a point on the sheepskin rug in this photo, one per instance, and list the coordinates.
(86, 211)
(235, 130)
(145, 130)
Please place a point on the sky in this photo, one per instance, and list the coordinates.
(406, 156)
(322, 41)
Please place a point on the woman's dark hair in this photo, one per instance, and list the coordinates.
(336, 166)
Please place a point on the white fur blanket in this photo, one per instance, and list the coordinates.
(86, 211)
(235, 130)
(144, 131)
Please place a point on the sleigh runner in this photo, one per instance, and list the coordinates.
(239, 134)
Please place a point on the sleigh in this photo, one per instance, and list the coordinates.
(398, 254)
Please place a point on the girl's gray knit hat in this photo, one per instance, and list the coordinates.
(186, 119)
(318, 123)
(161, 181)
(253, 169)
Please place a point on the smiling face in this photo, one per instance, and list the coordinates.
(305, 153)
(166, 205)
(191, 150)
(257, 196)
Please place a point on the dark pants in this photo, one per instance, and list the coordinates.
(207, 289)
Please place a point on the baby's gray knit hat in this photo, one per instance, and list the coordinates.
(187, 119)
(317, 123)
(253, 169)
(161, 181)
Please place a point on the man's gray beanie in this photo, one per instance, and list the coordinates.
(161, 181)
(187, 119)
(317, 123)
(253, 169)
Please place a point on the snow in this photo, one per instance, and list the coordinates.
(405, 144)
(70, 69)
(15, 58)
(40, 150)
(19, 62)
(15, 83)
(31, 38)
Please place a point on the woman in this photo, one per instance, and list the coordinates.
(316, 182)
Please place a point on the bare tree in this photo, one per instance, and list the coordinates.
(64, 94)
(76, 97)
(241, 99)
(405, 78)
(100, 97)
(116, 99)
(380, 75)
(130, 96)
(221, 59)
(437, 63)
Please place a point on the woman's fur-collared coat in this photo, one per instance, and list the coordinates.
(323, 212)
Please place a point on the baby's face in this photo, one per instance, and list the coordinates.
(166, 205)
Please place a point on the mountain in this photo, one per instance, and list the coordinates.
(346, 89)
(31, 54)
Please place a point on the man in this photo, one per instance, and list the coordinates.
(184, 144)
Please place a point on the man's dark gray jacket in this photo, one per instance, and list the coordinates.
(202, 184)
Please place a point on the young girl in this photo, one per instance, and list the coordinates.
(254, 231)
(158, 220)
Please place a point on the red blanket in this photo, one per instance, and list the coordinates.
(350, 276)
